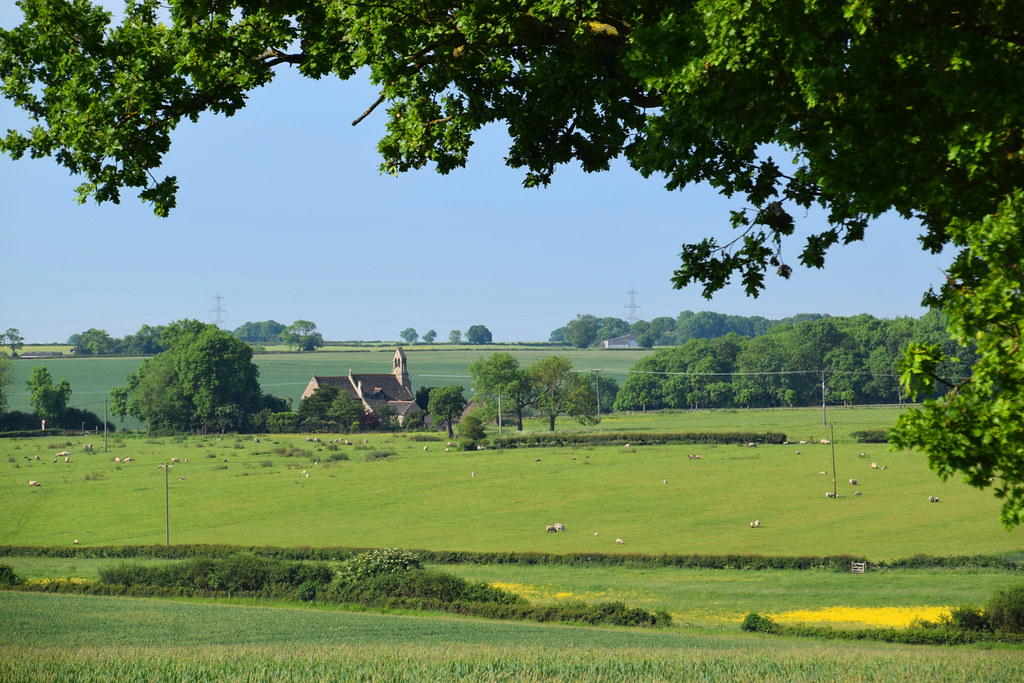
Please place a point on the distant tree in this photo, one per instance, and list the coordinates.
(265, 332)
(145, 342)
(423, 397)
(6, 380)
(454, 337)
(409, 335)
(347, 411)
(446, 406)
(12, 339)
(581, 332)
(478, 334)
(557, 336)
(48, 401)
(559, 390)
(95, 342)
(472, 427)
(303, 334)
(499, 375)
(318, 404)
(430, 336)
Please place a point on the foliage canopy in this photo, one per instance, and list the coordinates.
(875, 107)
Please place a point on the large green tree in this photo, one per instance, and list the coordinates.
(204, 380)
(303, 334)
(499, 379)
(558, 390)
(6, 380)
(876, 106)
(446, 405)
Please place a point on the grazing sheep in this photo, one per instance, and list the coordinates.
(664, 481)
(626, 446)
(307, 475)
(798, 452)
(33, 482)
(76, 541)
(884, 467)
(830, 494)
(55, 459)
(37, 457)
(550, 528)
(822, 472)
(559, 526)
(304, 472)
(755, 524)
(933, 499)
(751, 444)
(802, 443)
(186, 459)
(67, 458)
(863, 455)
(127, 460)
(117, 460)
(536, 459)
(347, 442)
(446, 450)
(825, 442)
(853, 481)
(175, 460)
(472, 474)
(596, 533)
(256, 439)
(88, 446)
(620, 541)
(859, 493)
(424, 449)
(309, 439)
(874, 465)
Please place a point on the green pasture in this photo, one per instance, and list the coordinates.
(235, 491)
(61, 637)
(287, 374)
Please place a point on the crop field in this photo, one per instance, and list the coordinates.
(62, 638)
(287, 374)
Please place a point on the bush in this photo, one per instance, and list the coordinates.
(756, 623)
(1006, 610)
(7, 576)
(376, 562)
(968, 618)
(307, 591)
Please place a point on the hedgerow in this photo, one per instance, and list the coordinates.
(560, 439)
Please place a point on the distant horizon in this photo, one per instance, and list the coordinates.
(442, 335)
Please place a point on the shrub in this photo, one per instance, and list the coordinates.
(376, 562)
(1006, 610)
(307, 591)
(968, 618)
(755, 622)
(7, 576)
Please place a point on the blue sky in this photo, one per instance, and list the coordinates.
(282, 211)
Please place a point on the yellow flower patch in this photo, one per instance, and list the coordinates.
(896, 617)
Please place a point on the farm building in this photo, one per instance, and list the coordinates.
(394, 389)
(626, 341)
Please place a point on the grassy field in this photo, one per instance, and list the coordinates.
(63, 638)
(657, 500)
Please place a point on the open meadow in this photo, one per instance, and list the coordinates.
(406, 490)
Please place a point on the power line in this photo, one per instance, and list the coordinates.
(218, 309)
(632, 307)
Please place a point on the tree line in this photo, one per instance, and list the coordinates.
(587, 330)
(856, 358)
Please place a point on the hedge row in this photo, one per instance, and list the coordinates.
(558, 439)
(305, 553)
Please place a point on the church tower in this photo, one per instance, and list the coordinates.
(400, 371)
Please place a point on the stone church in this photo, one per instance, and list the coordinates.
(394, 389)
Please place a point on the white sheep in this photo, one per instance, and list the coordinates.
(853, 482)
(175, 460)
(874, 465)
(620, 541)
(830, 494)
(424, 449)
(626, 446)
(550, 528)
(755, 524)
(33, 482)
(559, 526)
